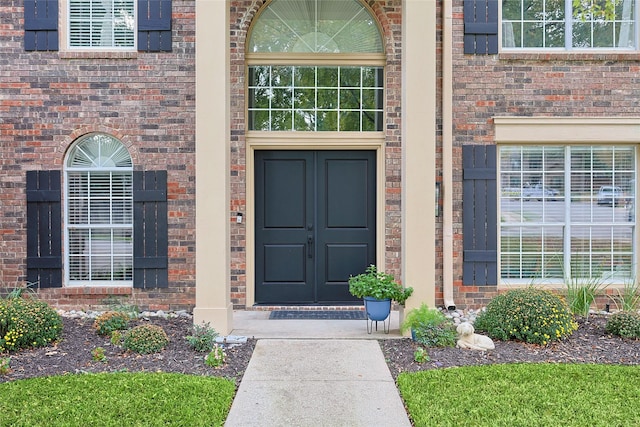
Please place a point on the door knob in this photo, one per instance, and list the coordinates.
(310, 246)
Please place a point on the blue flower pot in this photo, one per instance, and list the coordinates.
(377, 309)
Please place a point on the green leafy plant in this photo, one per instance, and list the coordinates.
(5, 365)
(581, 293)
(421, 355)
(429, 327)
(627, 298)
(625, 324)
(145, 339)
(436, 335)
(97, 355)
(111, 321)
(420, 316)
(216, 357)
(529, 314)
(27, 322)
(116, 337)
(377, 284)
(203, 338)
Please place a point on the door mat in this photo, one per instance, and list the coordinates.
(318, 314)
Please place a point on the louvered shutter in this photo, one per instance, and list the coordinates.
(150, 235)
(41, 25)
(479, 215)
(154, 25)
(481, 26)
(44, 229)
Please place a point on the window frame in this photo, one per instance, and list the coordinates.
(569, 131)
(65, 34)
(567, 46)
(111, 226)
(562, 212)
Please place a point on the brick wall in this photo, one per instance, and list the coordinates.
(484, 86)
(147, 100)
(389, 15)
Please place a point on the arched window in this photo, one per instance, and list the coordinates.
(315, 65)
(98, 212)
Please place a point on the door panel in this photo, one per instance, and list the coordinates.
(315, 224)
(345, 220)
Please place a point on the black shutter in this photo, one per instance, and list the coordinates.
(150, 236)
(40, 24)
(481, 26)
(44, 229)
(154, 25)
(479, 215)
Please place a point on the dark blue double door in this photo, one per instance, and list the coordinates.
(315, 224)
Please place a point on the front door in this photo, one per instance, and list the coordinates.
(315, 224)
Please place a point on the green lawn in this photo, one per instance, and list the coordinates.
(524, 395)
(118, 399)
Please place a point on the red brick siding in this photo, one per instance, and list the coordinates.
(484, 86)
(147, 100)
(389, 15)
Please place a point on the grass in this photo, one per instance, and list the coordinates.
(116, 399)
(523, 395)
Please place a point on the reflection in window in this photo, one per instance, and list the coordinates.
(566, 211)
(284, 98)
(569, 24)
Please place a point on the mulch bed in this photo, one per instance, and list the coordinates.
(589, 344)
(72, 353)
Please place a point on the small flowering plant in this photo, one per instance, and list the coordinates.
(216, 357)
(530, 314)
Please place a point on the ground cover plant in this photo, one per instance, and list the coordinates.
(523, 395)
(117, 399)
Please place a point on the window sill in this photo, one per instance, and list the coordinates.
(570, 56)
(70, 54)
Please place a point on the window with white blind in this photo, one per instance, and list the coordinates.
(97, 24)
(99, 212)
(567, 212)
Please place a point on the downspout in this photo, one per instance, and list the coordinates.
(447, 155)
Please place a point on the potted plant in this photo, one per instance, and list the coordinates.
(378, 289)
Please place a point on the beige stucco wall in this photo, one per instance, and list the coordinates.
(419, 150)
(213, 300)
(212, 161)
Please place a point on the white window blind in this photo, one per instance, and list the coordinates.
(102, 24)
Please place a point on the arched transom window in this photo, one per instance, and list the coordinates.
(99, 212)
(315, 65)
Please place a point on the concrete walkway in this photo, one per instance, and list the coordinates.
(300, 379)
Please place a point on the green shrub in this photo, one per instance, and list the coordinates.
(625, 324)
(530, 314)
(441, 335)
(27, 322)
(429, 327)
(203, 338)
(421, 316)
(111, 321)
(145, 339)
